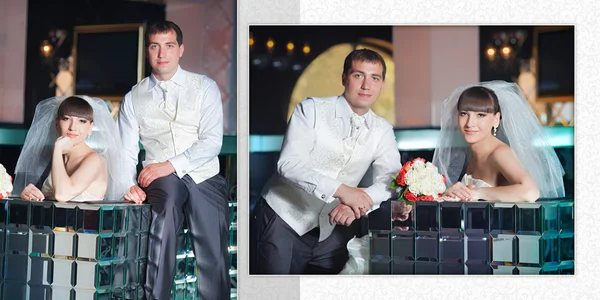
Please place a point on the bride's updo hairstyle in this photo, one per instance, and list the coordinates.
(76, 107)
(478, 99)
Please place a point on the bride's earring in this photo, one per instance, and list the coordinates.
(494, 130)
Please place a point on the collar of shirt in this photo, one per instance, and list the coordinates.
(343, 110)
(178, 78)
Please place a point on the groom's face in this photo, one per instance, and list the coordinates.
(362, 85)
(163, 54)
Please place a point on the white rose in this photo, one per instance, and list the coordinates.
(5, 184)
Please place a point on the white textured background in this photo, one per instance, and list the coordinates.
(584, 285)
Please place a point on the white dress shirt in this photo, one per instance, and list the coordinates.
(320, 152)
(180, 120)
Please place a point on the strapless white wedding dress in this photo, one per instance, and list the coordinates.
(48, 189)
(358, 248)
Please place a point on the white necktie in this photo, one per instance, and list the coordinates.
(357, 122)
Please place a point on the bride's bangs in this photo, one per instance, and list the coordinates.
(76, 107)
(478, 99)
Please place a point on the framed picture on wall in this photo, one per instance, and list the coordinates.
(108, 59)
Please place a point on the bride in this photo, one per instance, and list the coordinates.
(72, 147)
(491, 147)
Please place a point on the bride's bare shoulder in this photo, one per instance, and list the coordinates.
(502, 152)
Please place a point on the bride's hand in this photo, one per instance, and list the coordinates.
(31, 192)
(461, 191)
(63, 143)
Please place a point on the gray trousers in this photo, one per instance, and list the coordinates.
(206, 208)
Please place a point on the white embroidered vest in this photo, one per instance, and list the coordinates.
(164, 137)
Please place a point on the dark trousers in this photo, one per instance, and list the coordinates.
(206, 210)
(277, 249)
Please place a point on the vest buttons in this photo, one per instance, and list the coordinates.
(323, 196)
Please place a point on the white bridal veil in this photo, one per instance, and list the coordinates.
(34, 164)
(519, 128)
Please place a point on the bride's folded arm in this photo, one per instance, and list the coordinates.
(68, 187)
(521, 187)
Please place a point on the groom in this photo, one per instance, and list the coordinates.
(178, 118)
(329, 145)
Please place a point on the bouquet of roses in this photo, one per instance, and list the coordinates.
(418, 181)
(5, 183)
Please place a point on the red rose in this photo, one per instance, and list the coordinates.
(425, 198)
(410, 196)
(419, 158)
(444, 178)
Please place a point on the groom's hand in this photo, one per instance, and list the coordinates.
(154, 171)
(357, 199)
(341, 215)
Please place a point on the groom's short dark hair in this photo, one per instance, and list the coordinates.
(363, 55)
(163, 27)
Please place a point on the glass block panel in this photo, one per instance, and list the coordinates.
(16, 268)
(426, 216)
(380, 266)
(180, 267)
(190, 266)
(18, 214)
(478, 269)
(2, 241)
(133, 241)
(119, 214)
(143, 245)
(565, 217)
(117, 294)
(529, 270)
(86, 275)
(105, 247)
(403, 246)
(135, 292)
(567, 247)
(379, 241)
(65, 216)
(191, 292)
(425, 268)
(134, 218)
(550, 217)
(451, 216)
(3, 217)
(102, 296)
(107, 221)
(63, 243)
(478, 248)
(65, 293)
(400, 267)
(503, 248)
(146, 218)
(398, 213)
(1, 269)
(179, 289)
(118, 278)
(503, 218)
(119, 247)
(42, 243)
(87, 243)
(426, 248)
(529, 219)
(17, 241)
(452, 248)
(529, 249)
(90, 219)
(566, 268)
(477, 217)
(504, 270)
(41, 271)
(452, 269)
(104, 275)
(550, 248)
(15, 290)
(141, 269)
(130, 275)
(42, 216)
(41, 292)
(64, 273)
